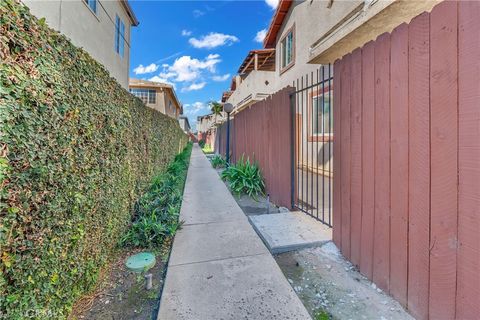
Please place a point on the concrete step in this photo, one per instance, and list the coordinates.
(283, 232)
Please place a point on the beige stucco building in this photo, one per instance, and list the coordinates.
(184, 124)
(304, 34)
(102, 28)
(159, 96)
(301, 37)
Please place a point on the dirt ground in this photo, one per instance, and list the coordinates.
(121, 294)
(331, 288)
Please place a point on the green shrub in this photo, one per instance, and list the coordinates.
(76, 151)
(202, 143)
(244, 177)
(218, 161)
(157, 211)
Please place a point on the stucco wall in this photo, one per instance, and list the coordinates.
(349, 30)
(93, 32)
(310, 19)
(170, 106)
(254, 83)
(184, 124)
(165, 102)
(207, 122)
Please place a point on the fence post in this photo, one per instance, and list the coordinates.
(292, 148)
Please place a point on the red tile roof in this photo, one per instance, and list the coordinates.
(276, 24)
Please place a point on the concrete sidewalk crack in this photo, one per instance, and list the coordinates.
(221, 259)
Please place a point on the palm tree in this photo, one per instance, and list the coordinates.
(216, 108)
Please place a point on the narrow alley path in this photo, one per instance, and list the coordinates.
(219, 268)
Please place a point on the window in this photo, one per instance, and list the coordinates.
(287, 49)
(146, 95)
(92, 4)
(322, 121)
(119, 36)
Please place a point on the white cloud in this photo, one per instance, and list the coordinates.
(158, 79)
(161, 80)
(186, 33)
(194, 108)
(194, 86)
(198, 13)
(260, 35)
(213, 40)
(189, 69)
(148, 69)
(272, 3)
(167, 75)
(221, 78)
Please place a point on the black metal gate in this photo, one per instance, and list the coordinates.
(312, 170)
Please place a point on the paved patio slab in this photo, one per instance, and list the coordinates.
(282, 232)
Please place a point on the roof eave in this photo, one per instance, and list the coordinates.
(130, 13)
(276, 23)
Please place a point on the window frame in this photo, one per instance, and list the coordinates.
(323, 136)
(289, 31)
(145, 94)
(119, 45)
(88, 4)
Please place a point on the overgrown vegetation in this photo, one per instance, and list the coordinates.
(322, 315)
(201, 143)
(244, 177)
(207, 148)
(218, 161)
(76, 152)
(157, 211)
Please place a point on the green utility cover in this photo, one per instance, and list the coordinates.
(140, 262)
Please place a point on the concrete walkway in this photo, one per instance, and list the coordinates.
(219, 268)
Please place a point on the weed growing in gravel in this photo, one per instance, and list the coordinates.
(218, 161)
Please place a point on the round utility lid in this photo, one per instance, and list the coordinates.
(140, 262)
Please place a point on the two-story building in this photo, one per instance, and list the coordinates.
(207, 126)
(184, 124)
(301, 37)
(102, 28)
(304, 34)
(156, 95)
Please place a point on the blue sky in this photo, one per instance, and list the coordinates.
(196, 45)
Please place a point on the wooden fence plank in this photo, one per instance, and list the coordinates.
(337, 138)
(368, 154)
(399, 164)
(356, 151)
(381, 256)
(262, 133)
(468, 279)
(346, 153)
(419, 166)
(443, 135)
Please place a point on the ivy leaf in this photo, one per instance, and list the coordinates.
(7, 260)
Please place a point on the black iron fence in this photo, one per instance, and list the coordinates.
(312, 133)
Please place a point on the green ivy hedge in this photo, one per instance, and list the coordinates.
(76, 151)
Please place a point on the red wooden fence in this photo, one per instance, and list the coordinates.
(407, 161)
(263, 133)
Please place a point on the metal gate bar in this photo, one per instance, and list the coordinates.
(312, 134)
